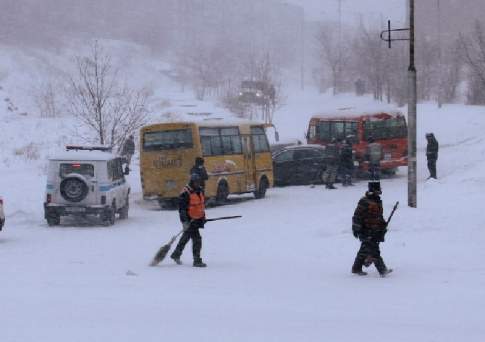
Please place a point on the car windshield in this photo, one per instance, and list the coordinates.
(385, 129)
(167, 140)
(78, 168)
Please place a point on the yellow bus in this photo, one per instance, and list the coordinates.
(237, 158)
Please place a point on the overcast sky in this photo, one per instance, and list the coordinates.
(351, 9)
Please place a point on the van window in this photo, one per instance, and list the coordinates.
(339, 130)
(167, 140)
(260, 141)
(385, 129)
(220, 141)
(77, 168)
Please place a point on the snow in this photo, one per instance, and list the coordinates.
(281, 273)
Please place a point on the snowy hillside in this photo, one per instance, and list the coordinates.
(281, 273)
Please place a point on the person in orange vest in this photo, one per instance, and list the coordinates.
(192, 216)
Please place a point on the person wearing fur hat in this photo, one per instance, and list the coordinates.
(192, 216)
(369, 226)
(432, 154)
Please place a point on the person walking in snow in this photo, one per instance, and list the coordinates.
(374, 155)
(192, 216)
(199, 169)
(369, 226)
(432, 154)
(346, 161)
(332, 161)
(128, 149)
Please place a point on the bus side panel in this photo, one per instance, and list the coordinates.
(228, 168)
(264, 167)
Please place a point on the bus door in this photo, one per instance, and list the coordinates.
(249, 163)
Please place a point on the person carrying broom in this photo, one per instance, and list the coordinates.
(192, 216)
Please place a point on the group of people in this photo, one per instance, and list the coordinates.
(368, 223)
(340, 161)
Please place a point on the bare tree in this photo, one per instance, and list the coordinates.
(108, 110)
(331, 55)
(474, 54)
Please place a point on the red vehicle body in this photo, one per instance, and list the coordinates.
(388, 129)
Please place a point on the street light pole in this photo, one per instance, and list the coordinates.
(412, 114)
(440, 56)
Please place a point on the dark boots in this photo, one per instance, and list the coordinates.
(199, 263)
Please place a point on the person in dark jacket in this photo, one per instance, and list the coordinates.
(199, 169)
(192, 216)
(346, 161)
(369, 226)
(432, 154)
(128, 149)
(374, 155)
(332, 161)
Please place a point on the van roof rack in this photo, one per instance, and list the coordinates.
(89, 148)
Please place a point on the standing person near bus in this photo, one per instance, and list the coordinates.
(346, 161)
(199, 169)
(374, 155)
(432, 154)
(332, 158)
(128, 149)
(192, 216)
(369, 226)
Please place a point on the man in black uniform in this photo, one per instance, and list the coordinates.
(332, 161)
(128, 149)
(346, 161)
(432, 154)
(200, 170)
(369, 226)
(192, 216)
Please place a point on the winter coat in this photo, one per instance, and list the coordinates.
(368, 221)
(374, 153)
(202, 172)
(346, 157)
(332, 153)
(432, 149)
(128, 147)
(191, 204)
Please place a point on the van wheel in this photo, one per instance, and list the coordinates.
(53, 220)
(263, 186)
(222, 193)
(124, 211)
(109, 217)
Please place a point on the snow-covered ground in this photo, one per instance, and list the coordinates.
(281, 273)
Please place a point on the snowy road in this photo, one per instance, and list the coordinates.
(281, 273)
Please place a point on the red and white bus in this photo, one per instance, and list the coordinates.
(387, 128)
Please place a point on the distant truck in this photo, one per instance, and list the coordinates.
(386, 127)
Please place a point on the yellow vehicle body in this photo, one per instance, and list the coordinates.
(237, 159)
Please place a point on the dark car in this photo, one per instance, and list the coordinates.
(303, 164)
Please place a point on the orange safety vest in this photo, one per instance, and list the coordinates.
(196, 206)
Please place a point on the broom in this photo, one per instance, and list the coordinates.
(163, 251)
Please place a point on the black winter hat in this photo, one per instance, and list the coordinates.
(375, 187)
(199, 161)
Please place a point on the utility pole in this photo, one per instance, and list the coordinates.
(440, 56)
(412, 99)
(302, 56)
(339, 67)
(412, 114)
